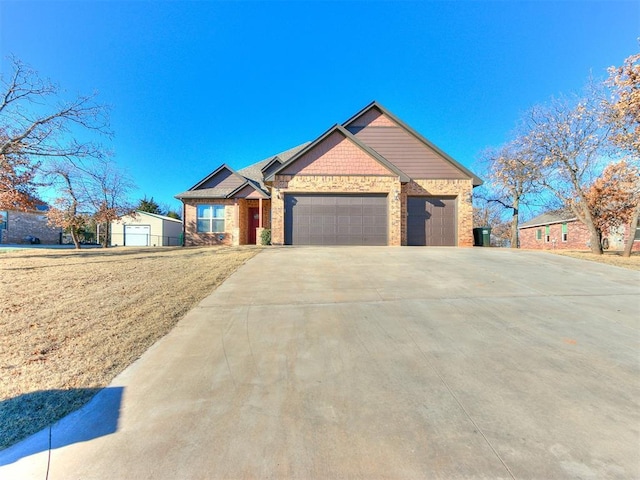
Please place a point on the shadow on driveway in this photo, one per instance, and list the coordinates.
(26, 413)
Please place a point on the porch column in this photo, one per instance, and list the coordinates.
(260, 212)
(236, 240)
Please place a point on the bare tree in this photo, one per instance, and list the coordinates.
(487, 213)
(622, 113)
(70, 209)
(108, 190)
(512, 175)
(566, 138)
(37, 126)
(96, 190)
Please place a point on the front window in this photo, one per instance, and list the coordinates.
(637, 236)
(539, 234)
(3, 220)
(210, 218)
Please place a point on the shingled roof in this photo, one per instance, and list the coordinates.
(548, 218)
(254, 172)
(252, 176)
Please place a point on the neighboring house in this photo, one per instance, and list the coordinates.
(562, 230)
(146, 230)
(372, 180)
(18, 226)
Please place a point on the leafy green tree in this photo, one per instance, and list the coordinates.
(174, 214)
(149, 205)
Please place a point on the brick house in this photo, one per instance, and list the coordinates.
(372, 180)
(16, 226)
(562, 230)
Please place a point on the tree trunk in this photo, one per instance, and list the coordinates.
(514, 224)
(75, 237)
(596, 238)
(107, 235)
(632, 232)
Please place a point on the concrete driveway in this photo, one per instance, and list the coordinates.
(375, 363)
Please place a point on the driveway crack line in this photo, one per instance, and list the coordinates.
(226, 358)
(46, 477)
(455, 397)
(253, 357)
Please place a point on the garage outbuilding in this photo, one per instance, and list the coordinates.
(336, 219)
(146, 229)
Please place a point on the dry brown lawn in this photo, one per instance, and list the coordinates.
(610, 258)
(70, 321)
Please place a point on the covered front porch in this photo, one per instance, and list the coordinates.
(253, 216)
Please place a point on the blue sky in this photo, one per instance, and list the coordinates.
(195, 84)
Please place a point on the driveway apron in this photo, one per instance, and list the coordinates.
(374, 362)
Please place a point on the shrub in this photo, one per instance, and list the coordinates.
(265, 236)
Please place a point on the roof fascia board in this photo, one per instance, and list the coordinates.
(155, 215)
(477, 181)
(548, 223)
(248, 183)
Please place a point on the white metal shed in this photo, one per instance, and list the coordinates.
(145, 229)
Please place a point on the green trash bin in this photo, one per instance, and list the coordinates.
(482, 237)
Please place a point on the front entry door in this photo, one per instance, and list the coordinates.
(254, 222)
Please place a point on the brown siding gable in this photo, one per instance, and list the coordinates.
(375, 105)
(223, 176)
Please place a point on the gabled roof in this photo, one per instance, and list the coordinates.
(343, 131)
(476, 180)
(224, 166)
(250, 176)
(214, 192)
(548, 218)
(255, 171)
(274, 160)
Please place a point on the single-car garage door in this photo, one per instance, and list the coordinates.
(336, 219)
(431, 221)
(136, 235)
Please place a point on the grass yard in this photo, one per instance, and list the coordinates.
(70, 321)
(610, 258)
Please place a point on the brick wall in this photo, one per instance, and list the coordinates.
(23, 224)
(578, 237)
(194, 238)
(236, 221)
(335, 184)
(460, 189)
(630, 231)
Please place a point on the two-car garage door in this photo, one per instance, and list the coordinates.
(336, 219)
(363, 220)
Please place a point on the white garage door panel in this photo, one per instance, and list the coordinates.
(136, 235)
